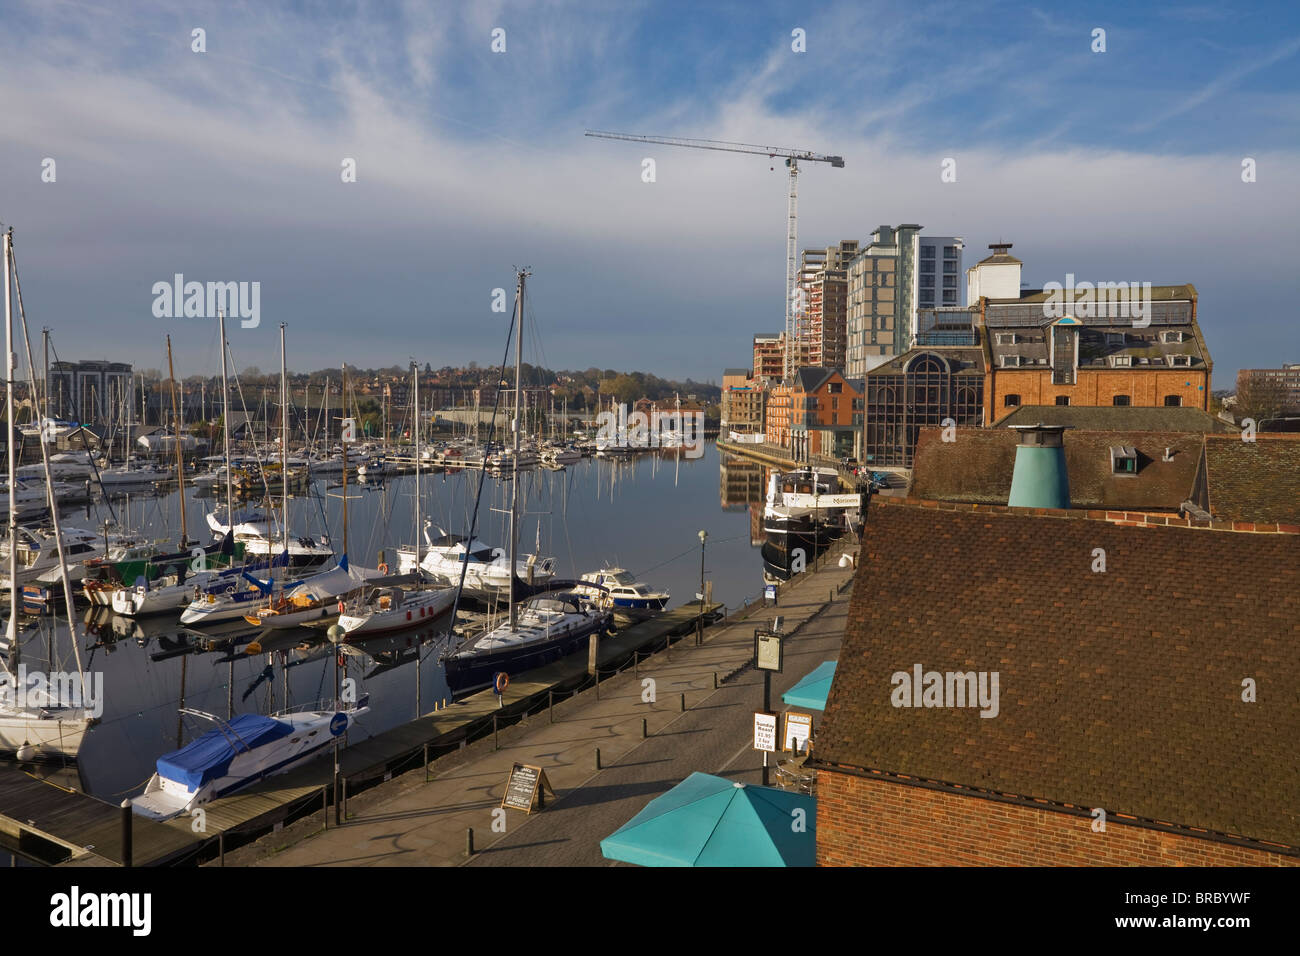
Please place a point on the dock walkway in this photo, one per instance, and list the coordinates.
(700, 718)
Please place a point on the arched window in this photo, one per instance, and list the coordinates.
(927, 363)
(1011, 401)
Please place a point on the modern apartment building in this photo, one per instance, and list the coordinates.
(742, 402)
(939, 275)
(823, 320)
(882, 298)
(91, 392)
(1277, 384)
(769, 356)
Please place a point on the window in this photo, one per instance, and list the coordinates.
(927, 252)
(1120, 400)
(1171, 336)
(1006, 338)
(1180, 361)
(836, 388)
(835, 404)
(1063, 399)
(1123, 460)
(1173, 401)
(1011, 401)
(1121, 361)
(1009, 361)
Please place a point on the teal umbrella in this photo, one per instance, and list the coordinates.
(711, 821)
(811, 691)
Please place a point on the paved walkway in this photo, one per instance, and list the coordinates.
(408, 822)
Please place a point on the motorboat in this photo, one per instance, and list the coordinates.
(617, 589)
(237, 753)
(487, 569)
(383, 610)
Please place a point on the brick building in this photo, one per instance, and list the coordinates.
(1119, 691)
(742, 402)
(819, 412)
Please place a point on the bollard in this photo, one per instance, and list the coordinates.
(126, 834)
(683, 703)
(338, 804)
(644, 732)
(597, 758)
(345, 798)
(325, 806)
(715, 680)
(469, 841)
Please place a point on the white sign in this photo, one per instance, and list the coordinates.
(765, 731)
(798, 728)
(349, 430)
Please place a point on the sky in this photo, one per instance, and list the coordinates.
(227, 165)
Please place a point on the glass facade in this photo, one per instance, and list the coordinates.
(926, 393)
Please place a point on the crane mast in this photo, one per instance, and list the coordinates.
(792, 158)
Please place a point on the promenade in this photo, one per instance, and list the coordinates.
(409, 821)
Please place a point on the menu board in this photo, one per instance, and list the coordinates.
(798, 730)
(522, 787)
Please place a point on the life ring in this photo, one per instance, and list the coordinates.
(383, 568)
(500, 682)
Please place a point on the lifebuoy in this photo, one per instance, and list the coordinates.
(340, 607)
(500, 682)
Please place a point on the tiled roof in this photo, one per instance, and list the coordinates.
(1183, 418)
(1253, 481)
(977, 467)
(1120, 690)
(964, 360)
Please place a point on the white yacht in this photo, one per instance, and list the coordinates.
(487, 569)
(237, 753)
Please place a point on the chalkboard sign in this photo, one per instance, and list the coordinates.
(524, 786)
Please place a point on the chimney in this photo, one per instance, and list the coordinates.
(1040, 479)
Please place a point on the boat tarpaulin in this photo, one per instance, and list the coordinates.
(208, 757)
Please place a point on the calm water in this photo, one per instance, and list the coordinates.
(643, 514)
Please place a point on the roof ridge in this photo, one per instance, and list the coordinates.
(1145, 519)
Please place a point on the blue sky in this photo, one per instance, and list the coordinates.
(1116, 166)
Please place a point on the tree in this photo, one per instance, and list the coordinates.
(1260, 398)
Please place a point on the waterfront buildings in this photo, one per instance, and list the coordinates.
(818, 412)
(742, 402)
(882, 297)
(939, 280)
(1272, 386)
(823, 284)
(769, 356)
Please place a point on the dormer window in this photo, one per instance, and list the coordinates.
(1121, 361)
(1170, 337)
(1123, 460)
(1114, 338)
(1180, 361)
(1006, 338)
(1009, 361)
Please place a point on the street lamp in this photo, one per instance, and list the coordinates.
(699, 621)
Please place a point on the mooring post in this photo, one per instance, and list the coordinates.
(644, 732)
(469, 841)
(126, 834)
(683, 703)
(597, 758)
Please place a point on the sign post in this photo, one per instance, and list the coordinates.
(769, 656)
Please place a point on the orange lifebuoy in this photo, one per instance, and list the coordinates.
(501, 682)
(383, 568)
(340, 607)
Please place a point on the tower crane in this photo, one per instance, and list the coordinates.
(792, 159)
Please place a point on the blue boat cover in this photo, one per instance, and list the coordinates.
(208, 757)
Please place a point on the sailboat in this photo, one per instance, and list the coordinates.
(550, 625)
(49, 721)
(383, 610)
(317, 597)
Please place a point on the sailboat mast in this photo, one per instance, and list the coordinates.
(225, 423)
(344, 436)
(284, 437)
(180, 458)
(514, 462)
(9, 452)
(419, 531)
